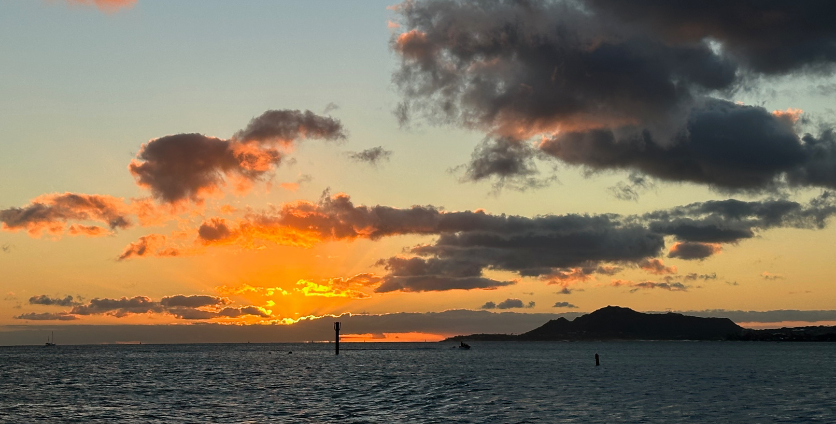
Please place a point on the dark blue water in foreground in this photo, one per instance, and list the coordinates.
(637, 382)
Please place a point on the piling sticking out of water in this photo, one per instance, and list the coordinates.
(337, 326)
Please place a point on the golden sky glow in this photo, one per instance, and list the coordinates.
(386, 164)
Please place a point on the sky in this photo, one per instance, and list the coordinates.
(422, 169)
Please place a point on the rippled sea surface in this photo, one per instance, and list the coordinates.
(637, 382)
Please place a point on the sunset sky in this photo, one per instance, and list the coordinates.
(261, 162)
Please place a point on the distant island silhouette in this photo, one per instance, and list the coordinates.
(618, 323)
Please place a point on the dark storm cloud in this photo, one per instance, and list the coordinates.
(424, 283)
(564, 305)
(527, 246)
(51, 212)
(771, 37)
(612, 94)
(552, 242)
(47, 316)
(190, 166)
(57, 301)
(372, 156)
(512, 67)
(724, 145)
(419, 274)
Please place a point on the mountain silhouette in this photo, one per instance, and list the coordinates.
(617, 323)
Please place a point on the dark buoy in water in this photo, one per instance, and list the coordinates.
(597, 360)
(337, 327)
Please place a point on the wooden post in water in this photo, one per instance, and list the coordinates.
(337, 345)
(597, 361)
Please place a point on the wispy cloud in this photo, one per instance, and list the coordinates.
(372, 156)
(770, 276)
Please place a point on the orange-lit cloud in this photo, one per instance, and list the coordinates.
(350, 287)
(50, 213)
(246, 288)
(107, 6)
(293, 186)
(656, 266)
(150, 245)
(227, 209)
(192, 167)
(567, 277)
(414, 45)
(790, 116)
(87, 230)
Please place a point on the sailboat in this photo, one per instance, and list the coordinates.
(50, 343)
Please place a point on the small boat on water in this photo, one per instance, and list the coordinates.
(50, 343)
(464, 345)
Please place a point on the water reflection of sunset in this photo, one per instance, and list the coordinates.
(392, 337)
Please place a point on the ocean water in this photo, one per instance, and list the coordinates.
(637, 382)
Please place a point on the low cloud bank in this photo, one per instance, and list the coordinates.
(446, 323)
